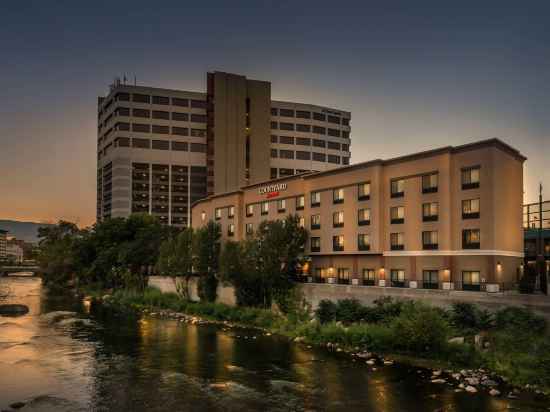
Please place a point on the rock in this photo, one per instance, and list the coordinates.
(472, 381)
(439, 381)
(494, 392)
(461, 386)
(458, 340)
(436, 373)
(371, 362)
(471, 389)
(57, 316)
(339, 350)
(388, 362)
(489, 382)
(17, 405)
(13, 310)
(456, 376)
(512, 396)
(478, 340)
(51, 403)
(299, 339)
(374, 369)
(458, 390)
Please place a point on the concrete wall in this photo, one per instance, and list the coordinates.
(314, 293)
(166, 284)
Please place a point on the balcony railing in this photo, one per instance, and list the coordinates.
(431, 218)
(471, 215)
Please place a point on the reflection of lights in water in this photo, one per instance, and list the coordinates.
(87, 303)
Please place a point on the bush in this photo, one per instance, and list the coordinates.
(349, 311)
(326, 311)
(520, 320)
(469, 318)
(386, 309)
(420, 329)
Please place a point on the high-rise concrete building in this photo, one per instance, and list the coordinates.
(160, 150)
(3, 244)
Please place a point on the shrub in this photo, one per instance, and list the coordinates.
(387, 308)
(326, 311)
(520, 319)
(349, 311)
(469, 318)
(420, 328)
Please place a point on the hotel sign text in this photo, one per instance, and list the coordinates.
(272, 190)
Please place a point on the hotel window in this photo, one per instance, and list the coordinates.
(301, 155)
(158, 114)
(319, 116)
(397, 278)
(141, 98)
(319, 143)
(274, 139)
(180, 102)
(333, 119)
(333, 145)
(363, 191)
(315, 199)
(429, 183)
(286, 126)
(303, 141)
(286, 112)
(363, 217)
(230, 229)
(338, 243)
(141, 128)
(369, 278)
(300, 202)
(430, 279)
(345, 160)
(470, 209)
(315, 222)
(274, 125)
(398, 188)
(470, 239)
(303, 128)
(321, 275)
(363, 241)
(161, 100)
(301, 222)
(249, 210)
(286, 154)
(345, 147)
(274, 111)
(315, 244)
(281, 205)
(160, 129)
(333, 132)
(303, 115)
(181, 117)
(345, 122)
(203, 216)
(471, 280)
(180, 131)
(286, 139)
(333, 159)
(231, 212)
(430, 212)
(249, 227)
(338, 196)
(160, 144)
(198, 118)
(338, 219)
(285, 172)
(141, 113)
(429, 240)
(396, 241)
(319, 130)
(470, 178)
(265, 208)
(397, 214)
(274, 153)
(198, 104)
(343, 276)
(319, 157)
(273, 173)
(218, 213)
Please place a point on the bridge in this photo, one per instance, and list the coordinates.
(6, 269)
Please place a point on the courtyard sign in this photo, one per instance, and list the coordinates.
(272, 190)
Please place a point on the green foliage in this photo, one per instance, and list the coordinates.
(176, 259)
(326, 311)
(520, 320)
(470, 319)
(57, 258)
(350, 310)
(206, 245)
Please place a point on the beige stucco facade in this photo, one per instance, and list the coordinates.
(478, 239)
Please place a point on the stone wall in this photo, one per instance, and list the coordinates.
(165, 284)
(314, 293)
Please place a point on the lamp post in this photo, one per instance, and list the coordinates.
(541, 267)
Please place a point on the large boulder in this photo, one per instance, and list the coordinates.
(13, 310)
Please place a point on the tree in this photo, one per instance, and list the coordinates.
(176, 259)
(206, 251)
(56, 256)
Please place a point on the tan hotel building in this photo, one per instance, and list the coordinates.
(448, 218)
(160, 150)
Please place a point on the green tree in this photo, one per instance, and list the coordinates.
(206, 251)
(56, 257)
(176, 259)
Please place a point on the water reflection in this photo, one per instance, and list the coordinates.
(120, 363)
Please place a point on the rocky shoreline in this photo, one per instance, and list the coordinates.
(469, 381)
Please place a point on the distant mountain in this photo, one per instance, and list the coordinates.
(27, 231)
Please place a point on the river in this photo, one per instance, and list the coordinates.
(109, 362)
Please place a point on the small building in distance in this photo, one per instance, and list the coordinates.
(3, 244)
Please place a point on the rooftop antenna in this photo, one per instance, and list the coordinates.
(135, 80)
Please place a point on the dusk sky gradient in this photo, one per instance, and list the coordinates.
(415, 75)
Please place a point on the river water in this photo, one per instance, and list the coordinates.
(120, 363)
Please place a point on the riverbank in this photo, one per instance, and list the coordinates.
(504, 365)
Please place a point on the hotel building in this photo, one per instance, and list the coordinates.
(3, 244)
(449, 218)
(160, 150)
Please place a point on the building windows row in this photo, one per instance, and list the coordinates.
(306, 141)
(140, 143)
(302, 114)
(430, 182)
(161, 114)
(363, 193)
(301, 155)
(218, 212)
(158, 129)
(291, 127)
(161, 100)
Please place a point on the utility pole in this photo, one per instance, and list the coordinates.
(541, 264)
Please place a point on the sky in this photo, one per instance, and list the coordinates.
(415, 75)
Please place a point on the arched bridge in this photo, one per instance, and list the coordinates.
(10, 269)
